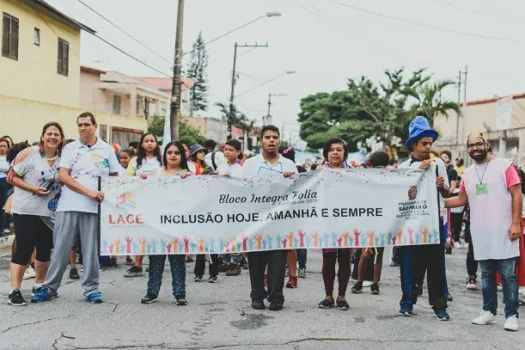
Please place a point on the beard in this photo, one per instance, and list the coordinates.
(482, 155)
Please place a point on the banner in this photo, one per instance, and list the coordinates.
(325, 209)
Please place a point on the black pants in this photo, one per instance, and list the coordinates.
(30, 233)
(456, 220)
(276, 260)
(472, 265)
(200, 265)
(415, 261)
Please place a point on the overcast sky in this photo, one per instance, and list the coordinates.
(322, 40)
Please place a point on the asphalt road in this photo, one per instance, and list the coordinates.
(220, 316)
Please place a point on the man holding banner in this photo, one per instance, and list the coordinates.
(417, 260)
(82, 162)
(268, 163)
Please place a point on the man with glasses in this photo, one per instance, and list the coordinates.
(492, 188)
(269, 163)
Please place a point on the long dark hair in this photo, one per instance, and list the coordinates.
(183, 160)
(141, 152)
(62, 137)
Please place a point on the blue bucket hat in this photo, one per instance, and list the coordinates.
(419, 128)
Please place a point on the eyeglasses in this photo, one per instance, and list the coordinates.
(476, 145)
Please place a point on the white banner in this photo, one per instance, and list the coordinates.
(211, 214)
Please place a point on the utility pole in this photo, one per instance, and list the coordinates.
(269, 102)
(234, 81)
(176, 89)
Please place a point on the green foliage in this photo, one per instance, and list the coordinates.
(197, 71)
(369, 111)
(188, 134)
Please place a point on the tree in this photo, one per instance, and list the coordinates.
(187, 134)
(367, 111)
(238, 119)
(430, 103)
(197, 72)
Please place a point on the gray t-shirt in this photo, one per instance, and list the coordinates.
(35, 170)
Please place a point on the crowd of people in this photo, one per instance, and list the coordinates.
(54, 209)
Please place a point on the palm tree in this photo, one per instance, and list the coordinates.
(430, 103)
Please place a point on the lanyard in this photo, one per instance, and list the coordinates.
(484, 171)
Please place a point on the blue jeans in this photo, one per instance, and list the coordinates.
(507, 269)
(178, 274)
(301, 258)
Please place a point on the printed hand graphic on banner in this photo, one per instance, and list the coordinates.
(290, 240)
(186, 244)
(424, 233)
(371, 235)
(128, 244)
(357, 233)
(117, 247)
(153, 246)
(346, 235)
(259, 238)
(301, 238)
(283, 241)
(201, 245)
(135, 246)
(244, 242)
(411, 236)
(143, 246)
(339, 241)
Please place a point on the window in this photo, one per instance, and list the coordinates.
(116, 104)
(63, 57)
(10, 37)
(36, 37)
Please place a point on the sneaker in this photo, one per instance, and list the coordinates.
(500, 288)
(485, 317)
(212, 279)
(405, 311)
(189, 259)
(95, 298)
(181, 301)
(233, 271)
(40, 295)
(129, 261)
(375, 289)
(302, 273)
(258, 305)
(223, 268)
(511, 324)
(275, 306)
(442, 315)
(73, 274)
(16, 299)
(292, 282)
(471, 284)
(357, 288)
(449, 297)
(326, 304)
(150, 298)
(244, 264)
(342, 304)
(197, 278)
(134, 271)
(367, 284)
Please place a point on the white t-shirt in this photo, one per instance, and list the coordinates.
(233, 170)
(4, 167)
(35, 170)
(258, 166)
(219, 159)
(442, 171)
(85, 165)
(149, 165)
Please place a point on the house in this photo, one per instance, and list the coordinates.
(165, 85)
(40, 72)
(501, 118)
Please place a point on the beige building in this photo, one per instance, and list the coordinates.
(40, 72)
(165, 86)
(501, 118)
(210, 128)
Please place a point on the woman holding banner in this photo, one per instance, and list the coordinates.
(335, 153)
(148, 160)
(175, 164)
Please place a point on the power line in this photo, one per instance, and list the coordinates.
(124, 32)
(420, 24)
(102, 39)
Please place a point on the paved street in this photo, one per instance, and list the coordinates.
(219, 316)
